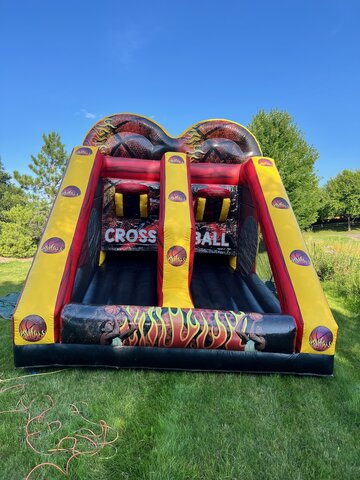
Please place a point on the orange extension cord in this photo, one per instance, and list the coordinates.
(83, 442)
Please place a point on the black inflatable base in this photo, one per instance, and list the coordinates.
(171, 359)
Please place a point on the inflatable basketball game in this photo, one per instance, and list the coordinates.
(149, 259)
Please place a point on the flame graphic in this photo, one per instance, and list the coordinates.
(185, 328)
(152, 334)
(193, 140)
(319, 344)
(300, 258)
(162, 328)
(32, 334)
(102, 132)
(202, 339)
(219, 332)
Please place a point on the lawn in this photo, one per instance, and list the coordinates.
(173, 425)
(335, 236)
(12, 276)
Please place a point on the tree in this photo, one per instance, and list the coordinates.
(282, 140)
(21, 229)
(23, 211)
(342, 196)
(4, 176)
(48, 167)
(10, 195)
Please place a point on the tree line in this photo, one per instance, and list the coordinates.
(25, 199)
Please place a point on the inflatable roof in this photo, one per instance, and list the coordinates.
(149, 259)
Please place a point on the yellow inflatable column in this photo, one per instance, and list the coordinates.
(176, 236)
(52, 273)
(297, 282)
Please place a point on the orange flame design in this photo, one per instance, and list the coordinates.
(204, 333)
(152, 334)
(220, 337)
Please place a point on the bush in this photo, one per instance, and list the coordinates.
(21, 229)
(15, 241)
(337, 263)
(340, 265)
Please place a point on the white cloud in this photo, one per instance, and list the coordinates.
(87, 114)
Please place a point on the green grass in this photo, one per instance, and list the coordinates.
(12, 276)
(194, 425)
(336, 257)
(334, 236)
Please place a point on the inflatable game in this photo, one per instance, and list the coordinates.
(149, 259)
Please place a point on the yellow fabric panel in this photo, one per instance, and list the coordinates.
(310, 296)
(143, 205)
(119, 205)
(224, 210)
(200, 209)
(102, 257)
(42, 285)
(233, 262)
(177, 233)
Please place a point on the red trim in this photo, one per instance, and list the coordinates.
(282, 279)
(213, 192)
(160, 241)
(139, 169)
(138, 188)
(68, 278)
(192, 221)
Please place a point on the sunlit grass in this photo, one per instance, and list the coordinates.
(12, 276)
(198, 425)
(182, 425)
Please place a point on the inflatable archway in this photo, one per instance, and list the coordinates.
(148, 259)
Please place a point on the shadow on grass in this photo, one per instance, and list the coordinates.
(7, 287)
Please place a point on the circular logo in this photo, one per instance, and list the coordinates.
(53, 245)
(300, 258)
(280, 203)
(176, 159)
(177, 196)
(321, 338)
(32, 328)
(71, 191)
(265, 162)
(83, 151)
(176, 256)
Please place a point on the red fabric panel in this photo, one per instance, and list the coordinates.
(132, 188)
(67, 281)
(160, 238)
(149, 170)
(283, 283)
(193, 231)
(213, 192)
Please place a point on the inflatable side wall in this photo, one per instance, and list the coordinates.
(48, 286)
(298, 286)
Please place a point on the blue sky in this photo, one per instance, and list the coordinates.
(64, 64)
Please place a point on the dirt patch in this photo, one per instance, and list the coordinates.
(355, 235)
(10, 259)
